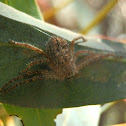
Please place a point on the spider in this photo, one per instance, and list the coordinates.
(60, 58)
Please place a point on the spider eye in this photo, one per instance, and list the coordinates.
(70, 77)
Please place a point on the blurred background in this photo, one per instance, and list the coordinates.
(77, 15)
(104, 19)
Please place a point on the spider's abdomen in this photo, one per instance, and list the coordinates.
(58, 50)
(59, 54)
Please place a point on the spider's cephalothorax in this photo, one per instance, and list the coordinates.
(60, 58)
(62, 61)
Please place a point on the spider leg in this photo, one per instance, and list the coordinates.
(49, 75)
(91, 58)
(30, 73)
(35, 63)
(28, 46)
(88, 57)
(73, 41)
(20, 83)
(82, 51)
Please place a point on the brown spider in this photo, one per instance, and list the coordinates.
(60, 58)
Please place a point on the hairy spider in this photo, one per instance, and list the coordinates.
(60, 58)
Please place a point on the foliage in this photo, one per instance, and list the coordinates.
(100, 82)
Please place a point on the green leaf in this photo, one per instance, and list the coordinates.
(34, 116)
(27, 6)
(100, 82)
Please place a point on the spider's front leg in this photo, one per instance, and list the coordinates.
(20, 83)
(30, 73)
(35, 63)
(43, 74)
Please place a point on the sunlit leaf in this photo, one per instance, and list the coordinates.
(100, 82)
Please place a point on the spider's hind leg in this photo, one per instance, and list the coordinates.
(28, 46)
(92, 58)
(82, 52)
(73, 41)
